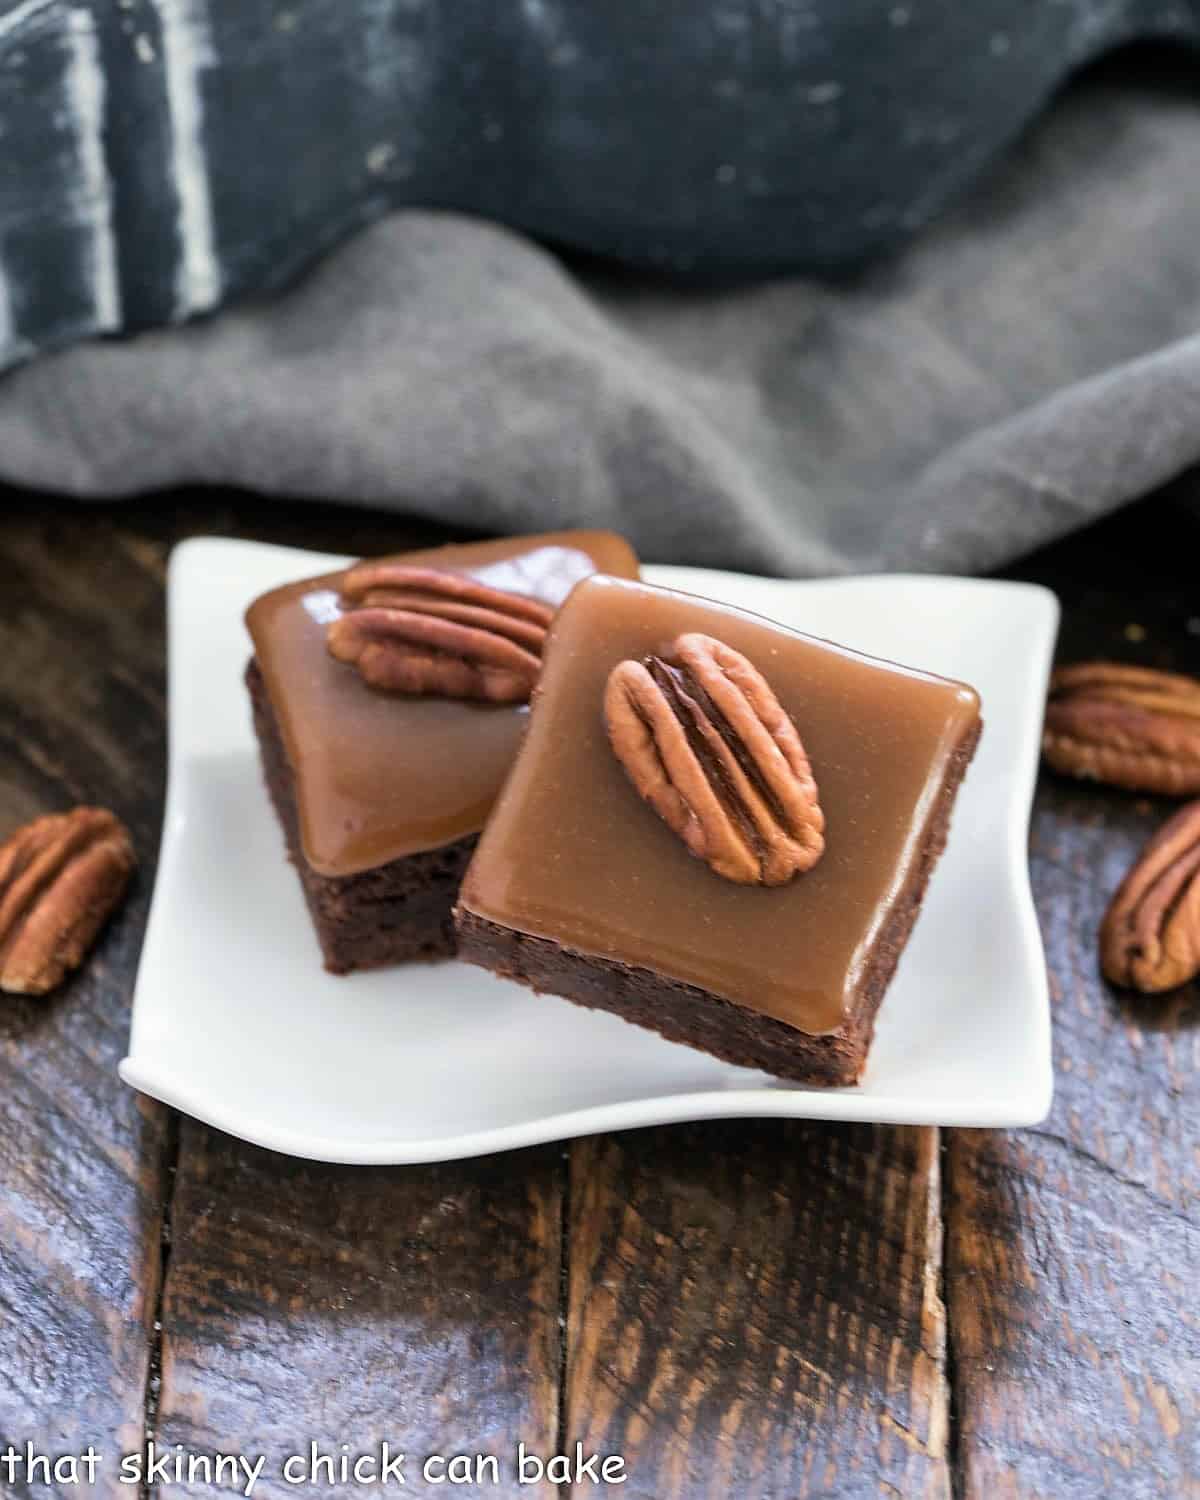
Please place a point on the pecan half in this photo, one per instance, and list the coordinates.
(706, 742)
(1150, 937)
(1130, 726)
(422, 631)
(61, 877)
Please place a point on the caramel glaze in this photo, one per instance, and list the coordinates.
(378, 776)
(572, 854)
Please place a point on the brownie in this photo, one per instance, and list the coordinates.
(683, 1013)
(581, 888)
(382, 795)
(396, 911)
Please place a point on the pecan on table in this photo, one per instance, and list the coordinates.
(425, 632)
(1150, 937)
(61, 877)
(1132, 727)
(705, 741)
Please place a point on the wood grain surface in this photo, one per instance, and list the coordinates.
(83, 1161)
(1073, 1249)
(760, 1310)
(415, 1306)
(755, 1309)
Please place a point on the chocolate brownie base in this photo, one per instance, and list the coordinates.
(397, 912)
(682, 1013)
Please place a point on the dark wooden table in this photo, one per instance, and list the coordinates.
(760, 1311)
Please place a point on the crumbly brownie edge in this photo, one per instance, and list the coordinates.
(397, 912)
(684, 1013)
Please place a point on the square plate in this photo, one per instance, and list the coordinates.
(236, 1022)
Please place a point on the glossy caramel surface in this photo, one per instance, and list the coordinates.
(379, 776)
(571, 853)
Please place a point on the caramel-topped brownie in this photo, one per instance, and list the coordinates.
(389, 701)
(718, 828)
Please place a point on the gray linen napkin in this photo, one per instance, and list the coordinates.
(1026, 365)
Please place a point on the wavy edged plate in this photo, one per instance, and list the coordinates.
(236, 1023)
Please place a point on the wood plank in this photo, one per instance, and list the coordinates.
(755, 1310)
(417, 1306)
(318, 1302)
(83, 1161)
(1072, 1249)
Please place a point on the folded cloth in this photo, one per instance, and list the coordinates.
(1026, 365)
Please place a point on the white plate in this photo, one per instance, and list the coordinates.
(235, 1021)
